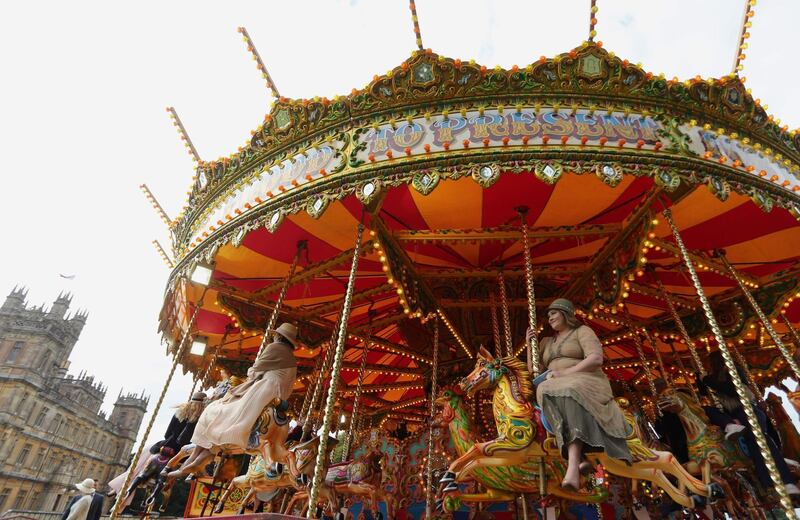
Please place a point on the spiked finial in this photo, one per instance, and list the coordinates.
(151, 198)
(413, 6)
(260, 64)
(744, 34)
(163, 254)
(176, 122)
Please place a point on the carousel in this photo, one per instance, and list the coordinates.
(413, 240)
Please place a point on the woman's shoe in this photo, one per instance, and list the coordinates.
(586, 468)
(569, 486)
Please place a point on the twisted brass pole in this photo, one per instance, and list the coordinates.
(533, 346)
(752, 419)
(307, 398)
(650, 379)
(501, 282)
(319, 383)
(498, 349)
(357, 398)
(763, 317)
(273, 319)
(793, 332)
(664, 373)
(434, 383)
(322, 454)
(121, 495)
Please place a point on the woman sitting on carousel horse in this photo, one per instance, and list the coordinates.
(229, 420)
(576, 397)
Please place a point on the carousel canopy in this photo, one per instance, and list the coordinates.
(442, 160)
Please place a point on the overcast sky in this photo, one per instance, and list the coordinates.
(84, 85)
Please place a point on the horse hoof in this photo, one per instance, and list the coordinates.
(698, 501)
(452, 486)
(448, 476)
(715, 492)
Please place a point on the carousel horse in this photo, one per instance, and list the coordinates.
(224, 470)
(502, 483)
(363, 478)
(261, 478)
(519, 443)
(710, 453)
(268, 440)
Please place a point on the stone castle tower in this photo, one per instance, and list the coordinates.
(52, 430)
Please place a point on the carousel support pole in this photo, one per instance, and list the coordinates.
(334, 383)
(273, 319)
(434, 389)
(307, 398)
(524, 507)
(648, 373)
(320, 383)
(532, 348)
(359, 388)
(761, 316)
(118, 505)
(792, 331)
(415, 20)
(698, 364)
(664, 373)
(682, 367)
(761, 440)
(498, 349)
(501, 283)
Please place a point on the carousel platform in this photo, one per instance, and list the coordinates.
(253, 516)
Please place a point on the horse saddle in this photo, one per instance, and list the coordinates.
(280, 416)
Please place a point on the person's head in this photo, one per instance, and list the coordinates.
(224, 374)
(285, 333)
(191, 410)
(561, 315)
(86, 487)
(660, 385)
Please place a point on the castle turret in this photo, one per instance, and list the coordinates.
(60, 306)
(129, 410)
(15, 300)
(78, 321)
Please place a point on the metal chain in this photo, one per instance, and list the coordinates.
(434, 390)
(533, 346)
(761, 440)
(501, 282)
(761, 316)
(335, 369)
(273, 319)
(118, 505)
(498, 349)
(359, 388)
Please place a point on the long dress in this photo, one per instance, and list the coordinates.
(228, 421)
(581, 405)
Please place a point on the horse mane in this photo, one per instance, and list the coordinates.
(521, 374)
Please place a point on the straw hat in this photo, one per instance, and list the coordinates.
(288, 331)
(86, 487)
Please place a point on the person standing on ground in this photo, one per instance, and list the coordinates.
(78, 507)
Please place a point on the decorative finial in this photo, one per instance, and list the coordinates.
(176, 122)
(744, 34)
(260, 64)
(415, 20)
(592, 20)
(163, 254)
(155, 204)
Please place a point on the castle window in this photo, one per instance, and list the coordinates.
(4, 497)
(42, 365)
(41, 417)
(19, 502)
(23, 454)
(15, 350)
(21, 402)
(37, 462)
(55, 422)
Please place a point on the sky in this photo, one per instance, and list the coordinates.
(84, 86)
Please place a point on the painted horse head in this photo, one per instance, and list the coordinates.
(489, 371)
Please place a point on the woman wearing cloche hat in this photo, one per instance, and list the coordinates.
(576, 397)
(229, 420)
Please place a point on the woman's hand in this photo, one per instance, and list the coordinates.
(558, 373)
(529, 335)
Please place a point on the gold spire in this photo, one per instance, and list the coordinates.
(176, 122)
(593, 20)
(260, 64)
(744, 34)
(412, 5)
(151, 198)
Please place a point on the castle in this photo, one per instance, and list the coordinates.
(52, 431)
